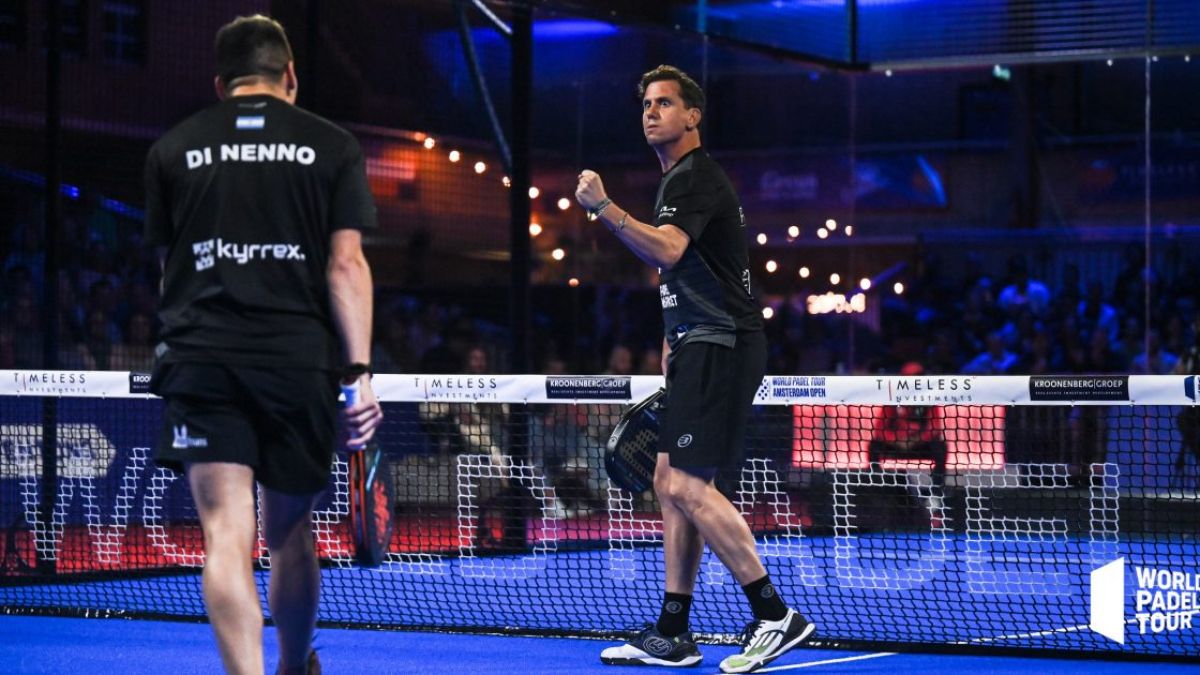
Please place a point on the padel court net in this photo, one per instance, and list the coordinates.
(1039, 513)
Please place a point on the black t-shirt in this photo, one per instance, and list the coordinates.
(707, 296)
(245, 196)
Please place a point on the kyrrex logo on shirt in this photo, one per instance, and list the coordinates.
(209, 250)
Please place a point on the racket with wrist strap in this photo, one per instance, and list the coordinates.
(633, 446)
(371, 493)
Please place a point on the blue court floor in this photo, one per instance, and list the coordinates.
(110, 646)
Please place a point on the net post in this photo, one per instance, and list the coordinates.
(49, 492)
(852, 31)
(520, 207)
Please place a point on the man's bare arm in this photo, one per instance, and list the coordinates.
(350, 299)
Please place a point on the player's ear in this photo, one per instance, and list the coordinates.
(219, 87)
(693, 120)
(290, 83)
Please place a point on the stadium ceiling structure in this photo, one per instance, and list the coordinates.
(921, 34)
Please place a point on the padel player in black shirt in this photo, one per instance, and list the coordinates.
(715, 356)
(258, 209)
(706, 296)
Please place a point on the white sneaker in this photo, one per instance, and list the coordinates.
(764, 641)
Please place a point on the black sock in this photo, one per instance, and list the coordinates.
(764, 600)
(673, 620)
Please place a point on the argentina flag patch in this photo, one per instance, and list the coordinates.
(251, 122)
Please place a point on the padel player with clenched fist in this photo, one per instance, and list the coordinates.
(716, 356)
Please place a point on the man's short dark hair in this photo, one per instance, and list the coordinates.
(689, 91)
(252, 46)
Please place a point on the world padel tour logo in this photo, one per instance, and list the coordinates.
(573, 387)
(1079, 388)
(1189, 386)
(1164, 601)
(927, 389)
(791, 387)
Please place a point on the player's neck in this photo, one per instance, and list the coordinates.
(670, 153)
(260, 89)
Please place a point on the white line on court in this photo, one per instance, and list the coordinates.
(1044, 633)
(1022, 636)
(827, 662)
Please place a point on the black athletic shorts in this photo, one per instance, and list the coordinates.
(710, 389)
(281, 422)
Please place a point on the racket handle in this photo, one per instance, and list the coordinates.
(349, 398)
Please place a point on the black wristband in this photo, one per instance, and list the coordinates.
(355, 371)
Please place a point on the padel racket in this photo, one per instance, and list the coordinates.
(371, 493)
(633, 446)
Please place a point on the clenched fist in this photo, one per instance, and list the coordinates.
(590, 191)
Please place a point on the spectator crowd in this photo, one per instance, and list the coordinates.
(1134, 320)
